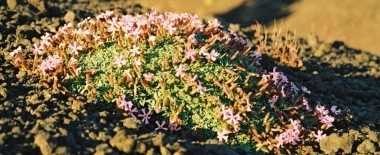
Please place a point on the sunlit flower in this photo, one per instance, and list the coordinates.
(192, 39)
(16, 51)
(226, 113)
(36, 49)
(119, 61)
(180, 71)
(222, 136)
(45, 39)
(319, 136)
(190, 54)
(75, 48)
(234, 119)
(249, 106)
(137, 62)
(212, 55)
(50, 64)
(200, 88)
(148, 76)
(135, 50)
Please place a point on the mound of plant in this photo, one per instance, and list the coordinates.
(190, 74)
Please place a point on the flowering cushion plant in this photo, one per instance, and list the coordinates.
(194, 75)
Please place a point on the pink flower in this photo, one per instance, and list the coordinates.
(131, 111)
(319, 136)
(77, 71)
(170, 27)
(223, 135)
(214, 23)
(180, 71)
(36, 49)
(107, 14)
(114, 26)
(200, 88)
(145, 116)
(290, 136)
(148, 76)
(128, 73)
(16, 51)
(278, 77)
(257, 56)
(306, 104)
(97, 39)
(304, 89)
(46, 39)
(136, 33)
(119, 61)
(296, 124)
(86, 32)
(234, 119)
(226, 113)
(293, 136)
(321, 110)
(326, 119)
(125, 105)
(334, 110)
(137, 62)
(280, 141)
(78, 31)
(284, 78)
(323, 116)
(135, 50)
(294, 87)
(190, 54)
(282, 91)
(65, 28)
(212, 55)
(192, 39)
(174, 127)
(161, 126)
(141, 22)
(273, 100)
(49, 64)
(74, 48)
(249, 105)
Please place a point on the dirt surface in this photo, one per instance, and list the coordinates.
(36, 120)
(348, 21)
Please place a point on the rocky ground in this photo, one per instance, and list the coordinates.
(36, 120)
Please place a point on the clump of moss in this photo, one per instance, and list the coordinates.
(193, 75)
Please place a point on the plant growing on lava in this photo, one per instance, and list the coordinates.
(192, 75)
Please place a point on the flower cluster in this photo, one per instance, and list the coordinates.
(50, 64)
(175, 72)
(291, 135)
(323, 115)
